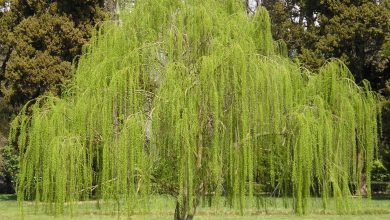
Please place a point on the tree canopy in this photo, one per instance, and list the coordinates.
(194, 98)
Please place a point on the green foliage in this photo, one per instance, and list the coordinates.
(9, 164)
(40, 40)
(379, 172)
(284, 28)
(353, 31)
(8, 157)
(194, 98)
(386, 47)
(384, 150)
(357, 32)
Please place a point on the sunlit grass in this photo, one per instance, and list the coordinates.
(162, 207)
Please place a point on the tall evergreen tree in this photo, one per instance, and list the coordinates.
(41, 39)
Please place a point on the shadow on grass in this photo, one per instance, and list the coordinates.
(381, 197)
(7, 197)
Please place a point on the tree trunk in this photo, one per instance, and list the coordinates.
(183, 214)
(112, 6)
(362, 184)
(4, 61)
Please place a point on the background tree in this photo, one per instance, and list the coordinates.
(39, 43)
(4, 48)
(43, 38)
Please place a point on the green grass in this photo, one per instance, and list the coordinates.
(163, 207)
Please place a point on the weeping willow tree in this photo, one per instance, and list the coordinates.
(194, 99)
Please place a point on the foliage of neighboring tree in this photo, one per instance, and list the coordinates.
(9, 167)
(354, 31)
(4, 49)
(41, 39)
(193, 99)
(382, 170)
(8, 158)
(285, 25)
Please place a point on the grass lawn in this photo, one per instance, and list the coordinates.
(163, 207)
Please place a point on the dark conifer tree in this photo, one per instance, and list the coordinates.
(40, 40)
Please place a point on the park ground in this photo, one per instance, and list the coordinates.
(163, 209)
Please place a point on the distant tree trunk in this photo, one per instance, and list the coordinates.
(252, 5)
(362, 184)
(112, 6)
(4, 60)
